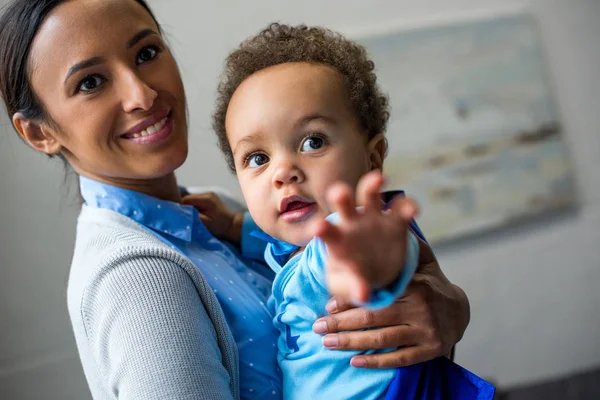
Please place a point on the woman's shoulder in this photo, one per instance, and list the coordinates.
(109, 244)
(104, 236)
(100, 227)
(127, 287)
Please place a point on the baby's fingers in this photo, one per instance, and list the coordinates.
(344, 282)
(405, 208)
(341, 199)
(329, 233)
(207, 221)
(202, 202)
(368, 189)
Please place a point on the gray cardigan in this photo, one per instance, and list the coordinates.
(146, 322)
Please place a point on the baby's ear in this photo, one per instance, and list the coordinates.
(37, 135)
(377, 147)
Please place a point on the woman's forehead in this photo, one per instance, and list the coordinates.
(86, 26)
(79, 30)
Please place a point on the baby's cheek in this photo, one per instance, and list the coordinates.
(262, 213)
(262, 220)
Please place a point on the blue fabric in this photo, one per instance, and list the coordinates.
(298, 298)
(388, 198)
(436, 380)
(310, 371)
(278, 252)
(279, 248)
(253, 239)
(242, 292)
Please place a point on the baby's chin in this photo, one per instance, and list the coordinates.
(299, 240)
(298, 236)
(299, 233)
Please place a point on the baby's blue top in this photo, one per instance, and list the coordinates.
(299, 296)
(241, 291)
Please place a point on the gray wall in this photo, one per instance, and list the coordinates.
(535, 307)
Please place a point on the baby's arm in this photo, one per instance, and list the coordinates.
(216, 216)
(368, 249)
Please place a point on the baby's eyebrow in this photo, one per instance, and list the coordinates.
(246, 141)
(312, 117)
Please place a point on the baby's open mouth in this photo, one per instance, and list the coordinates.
(296, 208)
(295, 205)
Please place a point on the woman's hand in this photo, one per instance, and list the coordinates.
(218, 219)
(424, 324)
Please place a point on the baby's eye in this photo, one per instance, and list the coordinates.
(312, 143)
(257, 160)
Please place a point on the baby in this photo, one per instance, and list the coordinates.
(301, 121)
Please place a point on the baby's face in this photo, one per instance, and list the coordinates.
(293, 134)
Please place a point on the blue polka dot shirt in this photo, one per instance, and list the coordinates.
(241, 285)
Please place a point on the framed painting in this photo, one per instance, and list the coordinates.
(474, 133)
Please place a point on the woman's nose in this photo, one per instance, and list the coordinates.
(137, 94)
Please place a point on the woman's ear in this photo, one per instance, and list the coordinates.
(38, 136)
(377, 148)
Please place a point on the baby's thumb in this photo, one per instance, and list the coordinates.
(327, 232)
(347, 284)
(405, 208)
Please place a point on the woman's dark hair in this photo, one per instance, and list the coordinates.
(19, 23)
(280, 44)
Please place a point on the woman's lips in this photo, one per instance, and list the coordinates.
(154, 119)
(154, 133)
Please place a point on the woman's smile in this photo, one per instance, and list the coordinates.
(155, 129)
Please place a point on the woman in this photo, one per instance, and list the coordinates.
(160, 308)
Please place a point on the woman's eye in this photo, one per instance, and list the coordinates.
(90, 83)
(312, 143)
(146, 54)
(257, 160)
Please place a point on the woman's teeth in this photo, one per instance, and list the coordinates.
(151, 129)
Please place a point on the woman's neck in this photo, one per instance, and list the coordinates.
(164, 188)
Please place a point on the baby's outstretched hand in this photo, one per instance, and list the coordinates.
(366, 250)
(218, 219)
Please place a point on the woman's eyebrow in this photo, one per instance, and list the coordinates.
(83, 65)
(139, 36)
(98, 60)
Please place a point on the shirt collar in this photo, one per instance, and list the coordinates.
(278, 247)
(388, 197)
(277, 252)
(165, 217)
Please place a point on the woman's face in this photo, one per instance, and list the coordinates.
(111, 89)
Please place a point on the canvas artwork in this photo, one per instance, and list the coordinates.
(474, 132)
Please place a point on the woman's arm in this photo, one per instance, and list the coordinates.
(150, 334)
(426, 322)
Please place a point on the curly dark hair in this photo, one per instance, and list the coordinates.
(280, 44)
